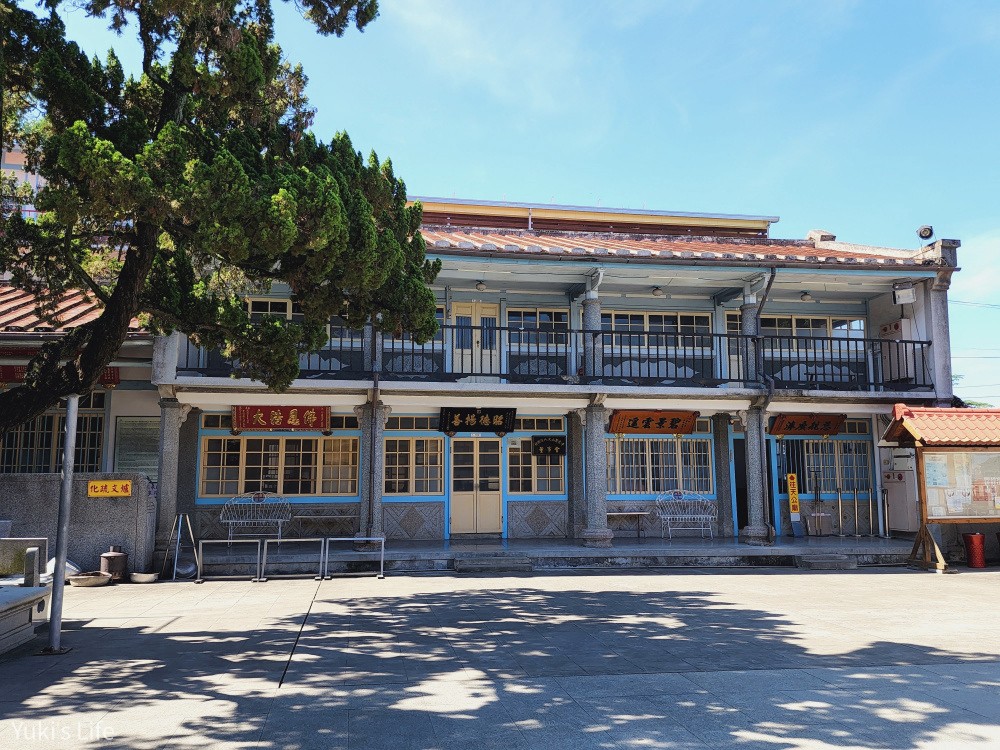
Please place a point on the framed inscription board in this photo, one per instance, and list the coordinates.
(137, 445)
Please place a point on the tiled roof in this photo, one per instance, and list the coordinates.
(18, 313)
(724, 250)
(938, 426)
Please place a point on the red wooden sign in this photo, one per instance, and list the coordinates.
(15, 374)
(629, 421)
(281, 418)
(807, 424)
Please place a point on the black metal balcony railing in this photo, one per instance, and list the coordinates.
(516, 355)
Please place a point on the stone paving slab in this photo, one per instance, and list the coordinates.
(878, 659)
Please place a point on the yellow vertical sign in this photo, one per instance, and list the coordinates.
(793, 493)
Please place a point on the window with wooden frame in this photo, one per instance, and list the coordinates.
(414, 466)
(538, 424)
(803, 327)
(542, 475)
(285, 465)
(36, 447)
(657, 329)
(648, 466)
(538, 325)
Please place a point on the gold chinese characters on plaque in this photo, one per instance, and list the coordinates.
(655, 422)
(271, 418)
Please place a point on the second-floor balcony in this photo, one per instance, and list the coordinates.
(635, 357)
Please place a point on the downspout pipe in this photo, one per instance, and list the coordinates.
(765, 401)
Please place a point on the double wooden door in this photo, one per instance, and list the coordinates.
(476, 497)
(476, 346)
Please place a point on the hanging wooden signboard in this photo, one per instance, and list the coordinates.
(454, 419)
(281, 418)
(653, 422)
(548, 445)
(807, 424)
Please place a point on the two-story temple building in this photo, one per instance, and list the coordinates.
(587, 358)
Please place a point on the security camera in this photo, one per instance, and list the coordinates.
(925, 232)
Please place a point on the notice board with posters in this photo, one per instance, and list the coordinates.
(960, 485)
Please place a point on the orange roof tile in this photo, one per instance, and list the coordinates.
(19, 314)
(944, 426)
(526, 242)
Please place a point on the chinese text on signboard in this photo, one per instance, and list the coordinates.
(281, 417)
(653, 421)
(109, 488)
(455, 419)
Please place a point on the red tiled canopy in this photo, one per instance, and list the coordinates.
(929, 426)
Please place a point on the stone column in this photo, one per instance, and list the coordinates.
(172, 416)
(371, 348)
(575, 462)
(372, 421)
(597, 533)
(941, 338)
(757, 532)
(593, 346)
(723, 459)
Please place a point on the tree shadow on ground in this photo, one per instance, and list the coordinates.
(510, 667)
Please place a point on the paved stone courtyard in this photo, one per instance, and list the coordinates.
(666, 659)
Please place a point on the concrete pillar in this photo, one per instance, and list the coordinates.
(371, 348)
(723, 485)
(758, 531)
(172, 416)
(166, 350)
(941, 338)
(372, 420)
(597, 533)
(575, 463)
(593, 345)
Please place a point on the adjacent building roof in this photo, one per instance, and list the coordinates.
(19, 313)
(928, 426)
(627, 246)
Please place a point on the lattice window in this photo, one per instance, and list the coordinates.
(36, 446)
(340, 466)
(414, 466)
(220, 467)
(527, 473)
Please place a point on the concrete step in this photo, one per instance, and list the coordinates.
(826, 562)
(499, 564)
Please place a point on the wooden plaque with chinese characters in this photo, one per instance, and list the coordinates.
(255, 418)
(455, 419)
(653, 422)
(807, 424)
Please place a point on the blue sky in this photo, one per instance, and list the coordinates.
(867, 119)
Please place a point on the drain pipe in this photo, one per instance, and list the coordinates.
(766, 400)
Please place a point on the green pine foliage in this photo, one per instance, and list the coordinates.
(171, 195)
